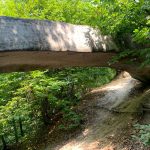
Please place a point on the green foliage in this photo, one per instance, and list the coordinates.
(144, 54)
(29, 101)
(143, 133)
(123, 54)
(72, 11)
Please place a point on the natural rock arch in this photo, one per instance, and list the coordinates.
(33, 44)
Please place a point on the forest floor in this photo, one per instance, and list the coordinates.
(109, 113)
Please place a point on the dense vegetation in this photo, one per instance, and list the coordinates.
(31, 100)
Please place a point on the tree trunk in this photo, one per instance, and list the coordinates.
(21, 128)
(15, 130)
(46, 112)
(4, 143)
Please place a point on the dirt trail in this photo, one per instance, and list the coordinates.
(105, 128)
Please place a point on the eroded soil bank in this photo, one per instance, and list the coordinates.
(109, 113)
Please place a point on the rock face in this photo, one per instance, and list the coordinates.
(26, 34)
(31, 44)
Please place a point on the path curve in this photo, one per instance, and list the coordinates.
(103, 123)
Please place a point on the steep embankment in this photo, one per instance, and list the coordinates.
(109, 112)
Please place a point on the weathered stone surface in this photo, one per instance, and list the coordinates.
(30, 60)
(26, 34)
(32, 44)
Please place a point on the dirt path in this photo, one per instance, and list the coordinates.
(105, 128)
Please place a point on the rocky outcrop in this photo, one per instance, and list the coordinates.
(26, 34)
(34, 44)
